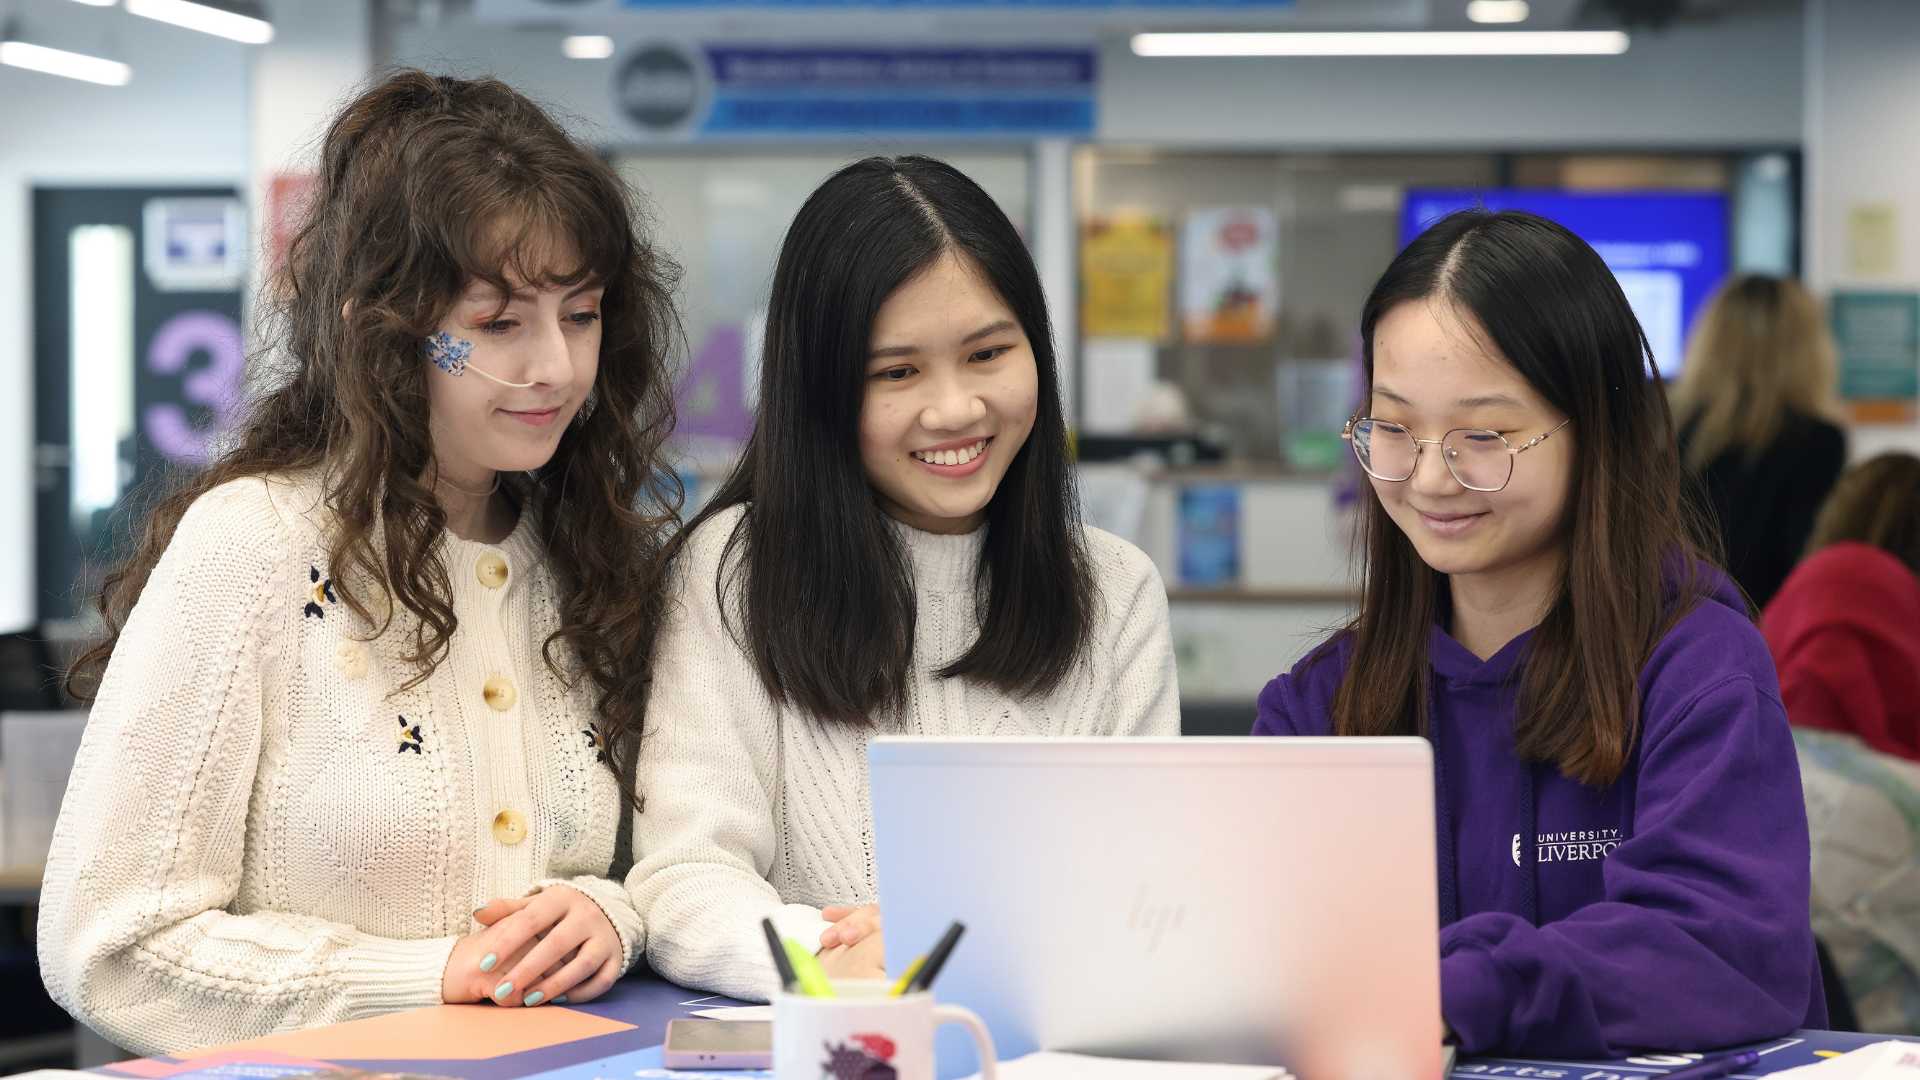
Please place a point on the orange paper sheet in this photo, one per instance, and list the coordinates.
(158, 1070)
(440, 1033)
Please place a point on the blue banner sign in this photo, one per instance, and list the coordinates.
(749, 92)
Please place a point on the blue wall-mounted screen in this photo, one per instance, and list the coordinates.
(1669, 249)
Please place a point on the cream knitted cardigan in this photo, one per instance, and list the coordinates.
(264, 831)
(754, 810)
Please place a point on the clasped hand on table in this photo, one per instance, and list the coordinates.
(852, 948)
(554, 946)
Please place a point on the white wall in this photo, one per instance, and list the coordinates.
(182, 120)
(319, 57)
(1863, 147)
(579, 91)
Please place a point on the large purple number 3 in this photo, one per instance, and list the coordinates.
(216, 386)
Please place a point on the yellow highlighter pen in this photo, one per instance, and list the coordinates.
(900, 988)
(806, 971)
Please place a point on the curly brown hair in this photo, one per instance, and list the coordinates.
(428, 184)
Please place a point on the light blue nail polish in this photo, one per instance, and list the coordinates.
(561, 1000)
(534, 998)
(487, 962)
(500, 992)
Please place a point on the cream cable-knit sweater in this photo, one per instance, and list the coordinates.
(264, 832)
(755, 810)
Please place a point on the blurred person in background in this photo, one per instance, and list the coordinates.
(1845, 628)
(1845, 634)
(1757, 411)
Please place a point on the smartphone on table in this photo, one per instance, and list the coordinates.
(718, 1044)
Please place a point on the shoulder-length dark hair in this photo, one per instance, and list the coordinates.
(1551, 307)
(426, 184)
(828, 593)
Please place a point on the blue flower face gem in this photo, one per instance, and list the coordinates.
(447, 352)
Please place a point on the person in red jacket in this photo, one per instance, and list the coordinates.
(1844, 629)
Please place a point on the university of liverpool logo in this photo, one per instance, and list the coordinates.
(1580, 845)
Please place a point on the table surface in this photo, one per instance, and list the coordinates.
(618, 1036)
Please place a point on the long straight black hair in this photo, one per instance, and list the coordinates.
(826, 590)
(1550, 306)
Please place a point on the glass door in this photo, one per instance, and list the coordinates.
(138, 364)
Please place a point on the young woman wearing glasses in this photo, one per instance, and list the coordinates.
(1622, 842)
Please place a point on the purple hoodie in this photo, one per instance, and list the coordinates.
(1668, 910)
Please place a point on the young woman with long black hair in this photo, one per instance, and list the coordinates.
(898, 551)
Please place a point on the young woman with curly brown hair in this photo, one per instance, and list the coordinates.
(357, 675)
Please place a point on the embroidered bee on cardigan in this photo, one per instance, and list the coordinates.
(598, 743)
(322, 592)
(409, 737)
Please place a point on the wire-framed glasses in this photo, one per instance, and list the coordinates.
(1481, 460)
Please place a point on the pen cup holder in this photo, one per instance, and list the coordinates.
(864, 1033)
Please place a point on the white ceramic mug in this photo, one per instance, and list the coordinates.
(864, 1033)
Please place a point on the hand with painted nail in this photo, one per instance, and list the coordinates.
(500, 908)
(468, 977)
(563, 947)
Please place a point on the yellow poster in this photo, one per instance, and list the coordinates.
(1126, 278)
(1873, 240)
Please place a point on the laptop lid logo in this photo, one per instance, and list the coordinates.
(1155, 921)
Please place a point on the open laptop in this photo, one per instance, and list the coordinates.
(1258, 901)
